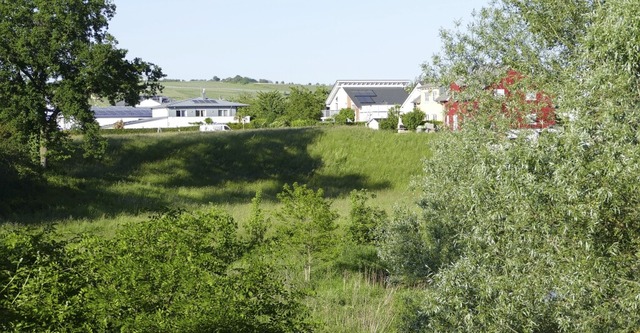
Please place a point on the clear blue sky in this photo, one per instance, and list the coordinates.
(291, 40)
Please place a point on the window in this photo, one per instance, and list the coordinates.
(222, 113)
(181, 113)
(200, 113)
(434, 94)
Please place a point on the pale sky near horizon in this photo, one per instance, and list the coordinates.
(286, 40)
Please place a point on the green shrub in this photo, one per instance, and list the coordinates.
(303, 123)
(177, 272)
(413, 119)
(345, 116)
(365, 219)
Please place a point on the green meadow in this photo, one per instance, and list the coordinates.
(180, 90)
(142, 174)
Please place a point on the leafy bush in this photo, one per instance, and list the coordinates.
(365, 220)
(345, 116)
(413, 119)
(187, 272)
(41, 284)
(303, 123)
(403, 247)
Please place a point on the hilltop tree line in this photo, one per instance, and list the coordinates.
(239, 79)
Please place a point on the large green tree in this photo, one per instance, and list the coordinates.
(538, 233)
(54, 56)
(304, 104)
(268, 106)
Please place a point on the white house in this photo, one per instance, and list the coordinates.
(368, 98)
(413, 100)
(195, 110)
(429, 99)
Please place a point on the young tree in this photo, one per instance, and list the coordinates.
(53, 58)
(268, 106)
(391, 122)
(308, 222)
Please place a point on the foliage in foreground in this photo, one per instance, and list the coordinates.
(178, 272)
(539, 233)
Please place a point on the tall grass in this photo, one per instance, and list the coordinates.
(356, 302)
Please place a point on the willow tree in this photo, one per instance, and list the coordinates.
(538, 233)
(55, 56)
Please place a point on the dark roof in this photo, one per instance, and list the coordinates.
(376, 96)
(121, 112)
(205, 102)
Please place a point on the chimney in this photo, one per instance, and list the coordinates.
(203, 95)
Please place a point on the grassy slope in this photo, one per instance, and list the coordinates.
(147, 172)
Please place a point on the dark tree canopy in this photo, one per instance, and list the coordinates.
(55, 56)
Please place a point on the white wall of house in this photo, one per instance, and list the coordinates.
(433, 110)
(369, 112)
(152, 123)
(341, 101)
(111, 121)
(413, 100)
(159, 112)
(189, 121)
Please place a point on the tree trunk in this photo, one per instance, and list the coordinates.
(43, 149)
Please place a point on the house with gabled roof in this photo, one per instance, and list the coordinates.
(427, 98)
(370, 99)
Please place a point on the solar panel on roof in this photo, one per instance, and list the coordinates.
(365, 93)
(364, 99)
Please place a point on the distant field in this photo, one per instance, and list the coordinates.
(221, 90)
(181, 90)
